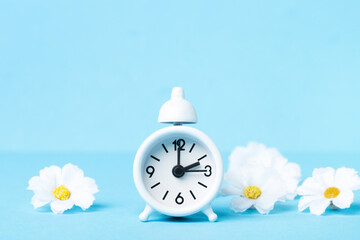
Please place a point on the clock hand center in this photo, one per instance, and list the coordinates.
(179, 171)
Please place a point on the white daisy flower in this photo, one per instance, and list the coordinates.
(258, 154)
(62, 188)
(328, 187)
(255, 187)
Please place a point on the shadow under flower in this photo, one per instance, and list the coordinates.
(44, 209)
(94, 208)
(280, 208)
(283, 207)
(353, 210)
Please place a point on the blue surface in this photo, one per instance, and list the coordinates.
(92, 75)
(117, 205)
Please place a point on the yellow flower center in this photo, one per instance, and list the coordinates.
(61, 193)
(331, 192)
(252, 192)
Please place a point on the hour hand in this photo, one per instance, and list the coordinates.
(195, 164)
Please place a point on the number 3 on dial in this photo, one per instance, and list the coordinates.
(208, 171)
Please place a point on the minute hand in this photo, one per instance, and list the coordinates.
(178, 156)
(195, 164)
(200, 170)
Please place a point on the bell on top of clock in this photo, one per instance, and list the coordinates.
(177, 110)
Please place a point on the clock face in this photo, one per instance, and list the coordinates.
(179, 171)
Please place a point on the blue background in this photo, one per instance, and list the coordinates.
(92, 75)
(83, 81)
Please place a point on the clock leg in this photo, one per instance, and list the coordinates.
(210, 214)
(145, 214)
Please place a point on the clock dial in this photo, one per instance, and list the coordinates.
(179, 172)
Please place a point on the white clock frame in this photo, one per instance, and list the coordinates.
(143, 154)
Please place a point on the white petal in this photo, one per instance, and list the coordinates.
(82, 199)
(273, 186)
(71, 174)
(47, 180)
(59, 206)
(310, 187)
(51, 175)
(36, 183)
(258, 154)
(267, 179)
(265, 204)
(43, 186)
(84, 184)
(253, 153)
(292, 171)
(37, 201)
(260, 176)
(344, 199)
(39, 185)
(291, 176)
(237, 157)
(347, 178)
(241, 204)
(43, 192)
(290, 196)
(305, 202)
(41, 198)
(291, 187)
(236, 177)
(276, 160)
(325, 176)
(319, 206)
(230, 190)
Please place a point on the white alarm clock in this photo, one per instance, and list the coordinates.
(178, 170)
